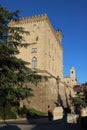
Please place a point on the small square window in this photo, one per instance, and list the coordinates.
(34, 50)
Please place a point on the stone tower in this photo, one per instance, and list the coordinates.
(45, 52)
(72, 76)
(45, 55)
(72, 73)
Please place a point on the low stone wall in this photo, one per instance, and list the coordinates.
(58, 113)
(83, 112)
(72, 118)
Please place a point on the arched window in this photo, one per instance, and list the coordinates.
(34, 62)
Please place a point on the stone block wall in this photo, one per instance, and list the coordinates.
(45, 93)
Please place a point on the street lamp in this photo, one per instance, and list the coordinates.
(58, 81)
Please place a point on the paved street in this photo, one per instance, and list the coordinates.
(40, 124)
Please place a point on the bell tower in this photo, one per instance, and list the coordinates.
(72, 73)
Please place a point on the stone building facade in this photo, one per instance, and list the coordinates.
(71, 80)
(45, 55)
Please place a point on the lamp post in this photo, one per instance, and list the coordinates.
(58, 80)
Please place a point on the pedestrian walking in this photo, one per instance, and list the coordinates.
(50, 114)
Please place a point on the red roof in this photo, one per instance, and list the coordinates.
(78, 88)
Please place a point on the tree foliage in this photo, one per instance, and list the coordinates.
(80, 100)
(14, 73)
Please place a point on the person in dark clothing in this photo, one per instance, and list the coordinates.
(50, 115)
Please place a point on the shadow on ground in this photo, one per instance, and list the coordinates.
(9, 127)
(56, 125)
(41, 124)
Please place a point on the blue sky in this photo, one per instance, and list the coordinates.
(68, 15)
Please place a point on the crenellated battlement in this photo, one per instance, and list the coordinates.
(59, 35)
(36, 18)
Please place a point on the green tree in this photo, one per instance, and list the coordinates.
(80, 100)
(14, 73)
(85, 91)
